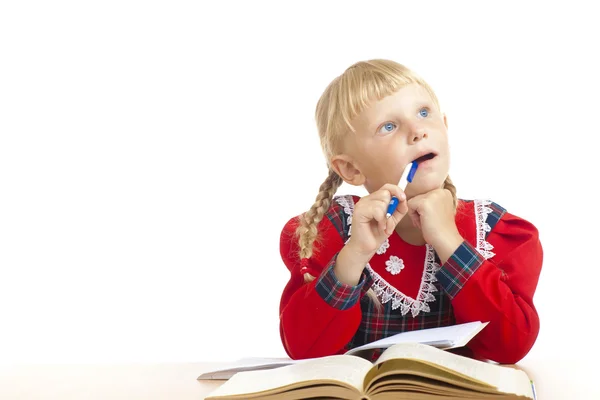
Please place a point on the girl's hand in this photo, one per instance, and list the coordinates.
(433, 213)
(370, 226)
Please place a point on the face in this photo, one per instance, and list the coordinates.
(391, 134)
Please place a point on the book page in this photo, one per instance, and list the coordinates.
(506, 379)
(348, 369)
(446, 337)
(246, 364)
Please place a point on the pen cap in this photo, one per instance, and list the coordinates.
(413, 170)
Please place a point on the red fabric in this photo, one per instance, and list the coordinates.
(500, 291)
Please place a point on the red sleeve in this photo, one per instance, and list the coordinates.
(321, 317)
(499, 290)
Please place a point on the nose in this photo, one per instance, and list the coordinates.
(417, 134)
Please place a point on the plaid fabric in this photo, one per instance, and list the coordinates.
(339, 218)
(377, 324)
(336, 293)
(458, 269)
(493, 217)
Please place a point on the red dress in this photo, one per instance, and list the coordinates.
(491, 277)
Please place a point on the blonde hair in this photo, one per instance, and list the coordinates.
(344, 99)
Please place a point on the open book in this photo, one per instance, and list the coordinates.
(411, 370)
(447, 337)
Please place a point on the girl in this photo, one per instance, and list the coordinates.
(357, 276)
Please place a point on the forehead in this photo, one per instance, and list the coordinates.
(398, 103)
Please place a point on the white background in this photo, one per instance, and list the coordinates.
(140, 209)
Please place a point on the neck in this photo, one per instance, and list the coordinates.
(409, 233)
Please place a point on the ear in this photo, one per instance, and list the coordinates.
(346, 168)
(445, 120)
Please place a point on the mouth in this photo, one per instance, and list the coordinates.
(424, 158)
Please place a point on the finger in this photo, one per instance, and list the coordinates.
(373, 211)
(416, 222)
(394, 190)
(401, 210)
(415, 217)
(388, 193)
(396, 217)
(379, 206)
(382, 195)
(379, 214)
(392, 222)
(414, 202)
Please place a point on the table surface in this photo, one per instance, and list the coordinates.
(179, 381)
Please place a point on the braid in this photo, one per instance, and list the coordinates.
(452, 189)
(307, 231)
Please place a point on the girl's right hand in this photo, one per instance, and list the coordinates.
(370, 226)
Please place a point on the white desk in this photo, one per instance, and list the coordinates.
(178, 381)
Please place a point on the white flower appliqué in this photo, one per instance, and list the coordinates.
(394, 265)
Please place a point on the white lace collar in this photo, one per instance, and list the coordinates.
(386, 292)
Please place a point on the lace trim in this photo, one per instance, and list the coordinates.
(348, 203)
(384, 246)
(386, 292)
(481, 213)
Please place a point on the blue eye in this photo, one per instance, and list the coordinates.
(387, 128)
(423, 113)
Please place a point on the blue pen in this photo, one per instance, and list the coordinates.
(407, 176)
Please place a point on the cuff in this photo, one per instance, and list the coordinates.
(455, 273)
(335, 293)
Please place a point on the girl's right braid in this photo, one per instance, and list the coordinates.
(307, 230)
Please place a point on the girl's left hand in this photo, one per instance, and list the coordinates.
(433, 214)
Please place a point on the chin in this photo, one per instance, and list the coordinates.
(427, 184)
